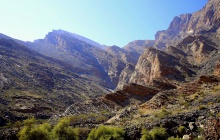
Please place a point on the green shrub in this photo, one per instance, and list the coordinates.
(106, 133)
(63, 131)
(34, 131)
(181, 129)
(30, 121)
(40, 132)
(157, 133)
(163, 113)
(24, 133)
(146, 135)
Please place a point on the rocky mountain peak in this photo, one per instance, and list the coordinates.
(205, 20)
(56, 35)
(179, 22)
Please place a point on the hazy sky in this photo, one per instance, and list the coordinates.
(109, 22)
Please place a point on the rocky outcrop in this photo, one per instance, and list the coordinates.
(127, 58)
(131, 94)
(197, 48)
(156, 64)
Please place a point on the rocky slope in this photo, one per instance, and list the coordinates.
(86, 59)
(32, 84)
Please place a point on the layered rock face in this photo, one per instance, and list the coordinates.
(131, 53)
(156, 64)
(205, 20)
(131, 94)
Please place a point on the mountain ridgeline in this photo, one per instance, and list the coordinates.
(96, 62)
(172, 81)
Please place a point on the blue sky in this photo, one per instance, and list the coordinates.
(109, 22)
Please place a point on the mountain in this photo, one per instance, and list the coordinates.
(204, 21)
(78, 37)
(183, 65)
(33, 84)
(182, 52)
(99, 64)
(171, 83)
(67, 47)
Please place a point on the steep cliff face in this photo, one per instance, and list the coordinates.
(205, 20)
(132, 52)
(125, 76)
(156, 64)
(89, 61)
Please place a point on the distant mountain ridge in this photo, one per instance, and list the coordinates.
(81, 38)
(100, 64)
